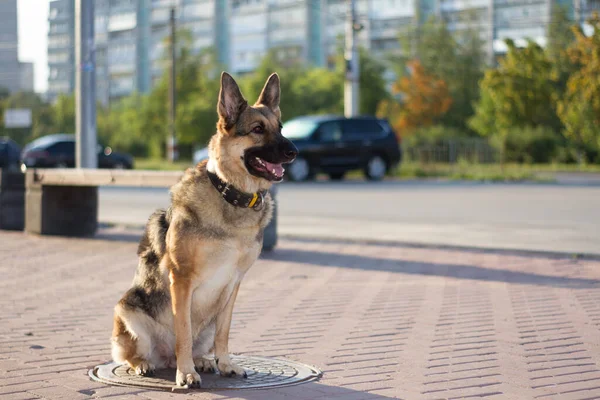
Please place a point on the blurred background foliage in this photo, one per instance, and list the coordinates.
(536, 105)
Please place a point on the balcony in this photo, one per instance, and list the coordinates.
(163, 3)
(121, 86)
(459, 5)
(59, 86)
(390, 28)
(59, 44)
(122, 68)
(241, 8)
(59, 15)
(160, 16)
(122, 22)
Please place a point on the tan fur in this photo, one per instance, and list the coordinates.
(195, 255)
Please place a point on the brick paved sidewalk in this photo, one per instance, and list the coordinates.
(381, 321)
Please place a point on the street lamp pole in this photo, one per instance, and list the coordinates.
(85, 86)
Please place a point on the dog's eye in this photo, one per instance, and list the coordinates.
(257, 129)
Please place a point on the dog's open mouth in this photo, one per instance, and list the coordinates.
(261, 167)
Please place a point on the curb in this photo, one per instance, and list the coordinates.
(441, 246)
(124, 228)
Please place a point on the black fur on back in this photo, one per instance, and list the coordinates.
(148, 291)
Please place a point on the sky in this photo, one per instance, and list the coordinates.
(33, 38)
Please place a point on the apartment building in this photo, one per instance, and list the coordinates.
(131, 34)
(26, 77)
(130, 38)
(291, 28)
(61, 47)
(14, 75)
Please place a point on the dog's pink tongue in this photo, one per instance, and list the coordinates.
(277, 169)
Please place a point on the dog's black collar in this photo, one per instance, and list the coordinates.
(236, 197)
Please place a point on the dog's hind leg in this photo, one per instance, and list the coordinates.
(133, 348)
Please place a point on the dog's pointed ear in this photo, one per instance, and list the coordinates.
(231, 101)
(270, 94)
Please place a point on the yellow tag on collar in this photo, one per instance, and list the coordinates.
(253, 202)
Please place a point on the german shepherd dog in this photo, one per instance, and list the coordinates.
(194, 255)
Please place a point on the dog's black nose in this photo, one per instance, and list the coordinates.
(290, 151)
(291, 154)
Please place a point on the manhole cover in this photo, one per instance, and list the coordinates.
(262, 373)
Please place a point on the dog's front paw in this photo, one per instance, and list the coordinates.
(227, 368)
(205, 364)
(190, 379)
(144, 369)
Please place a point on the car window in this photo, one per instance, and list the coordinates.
(330, 131)
(361, 127)
(298, 129)
(62, 148)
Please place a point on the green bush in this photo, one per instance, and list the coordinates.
(534, 145)
(436, 135)
(442, 144)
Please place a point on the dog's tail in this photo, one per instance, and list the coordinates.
(152, 247)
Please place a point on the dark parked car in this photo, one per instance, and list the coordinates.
(335, 145)
(58, 151)
(10, 153)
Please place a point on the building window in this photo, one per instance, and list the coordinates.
(59, 41)
(57, 58)
(54, 13)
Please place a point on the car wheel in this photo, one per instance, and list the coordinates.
(119, 166)
(337, 176)
(62, 165)
(376, 168)
(299, 170)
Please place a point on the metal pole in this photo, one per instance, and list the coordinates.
(86, 154)
(352, 66)
(577, 5)
(171, 142)
(491, 34)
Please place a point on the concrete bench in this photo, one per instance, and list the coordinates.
(12, 200)
(64, 202)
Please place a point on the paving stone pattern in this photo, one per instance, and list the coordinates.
(380, 321)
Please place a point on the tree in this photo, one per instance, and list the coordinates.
(290, 73)
(464, 83)
(520, 93)
(317, 91)
(41, 115)
(579, 110)
(139, 122)
(309, 90)
(122, 125)
(63, 114)
(372, 84)
(4, 93)
(304, 90)
(560, 37)
(458, 58)
(423, 99)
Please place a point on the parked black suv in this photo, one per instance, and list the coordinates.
(58, 151)
(335, 145)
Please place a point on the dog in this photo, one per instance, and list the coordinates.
(194, 254)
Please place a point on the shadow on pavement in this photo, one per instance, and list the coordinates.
(309, 390)
(132, 236)
(469, 272)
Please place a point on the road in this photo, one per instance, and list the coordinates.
(540, 217)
